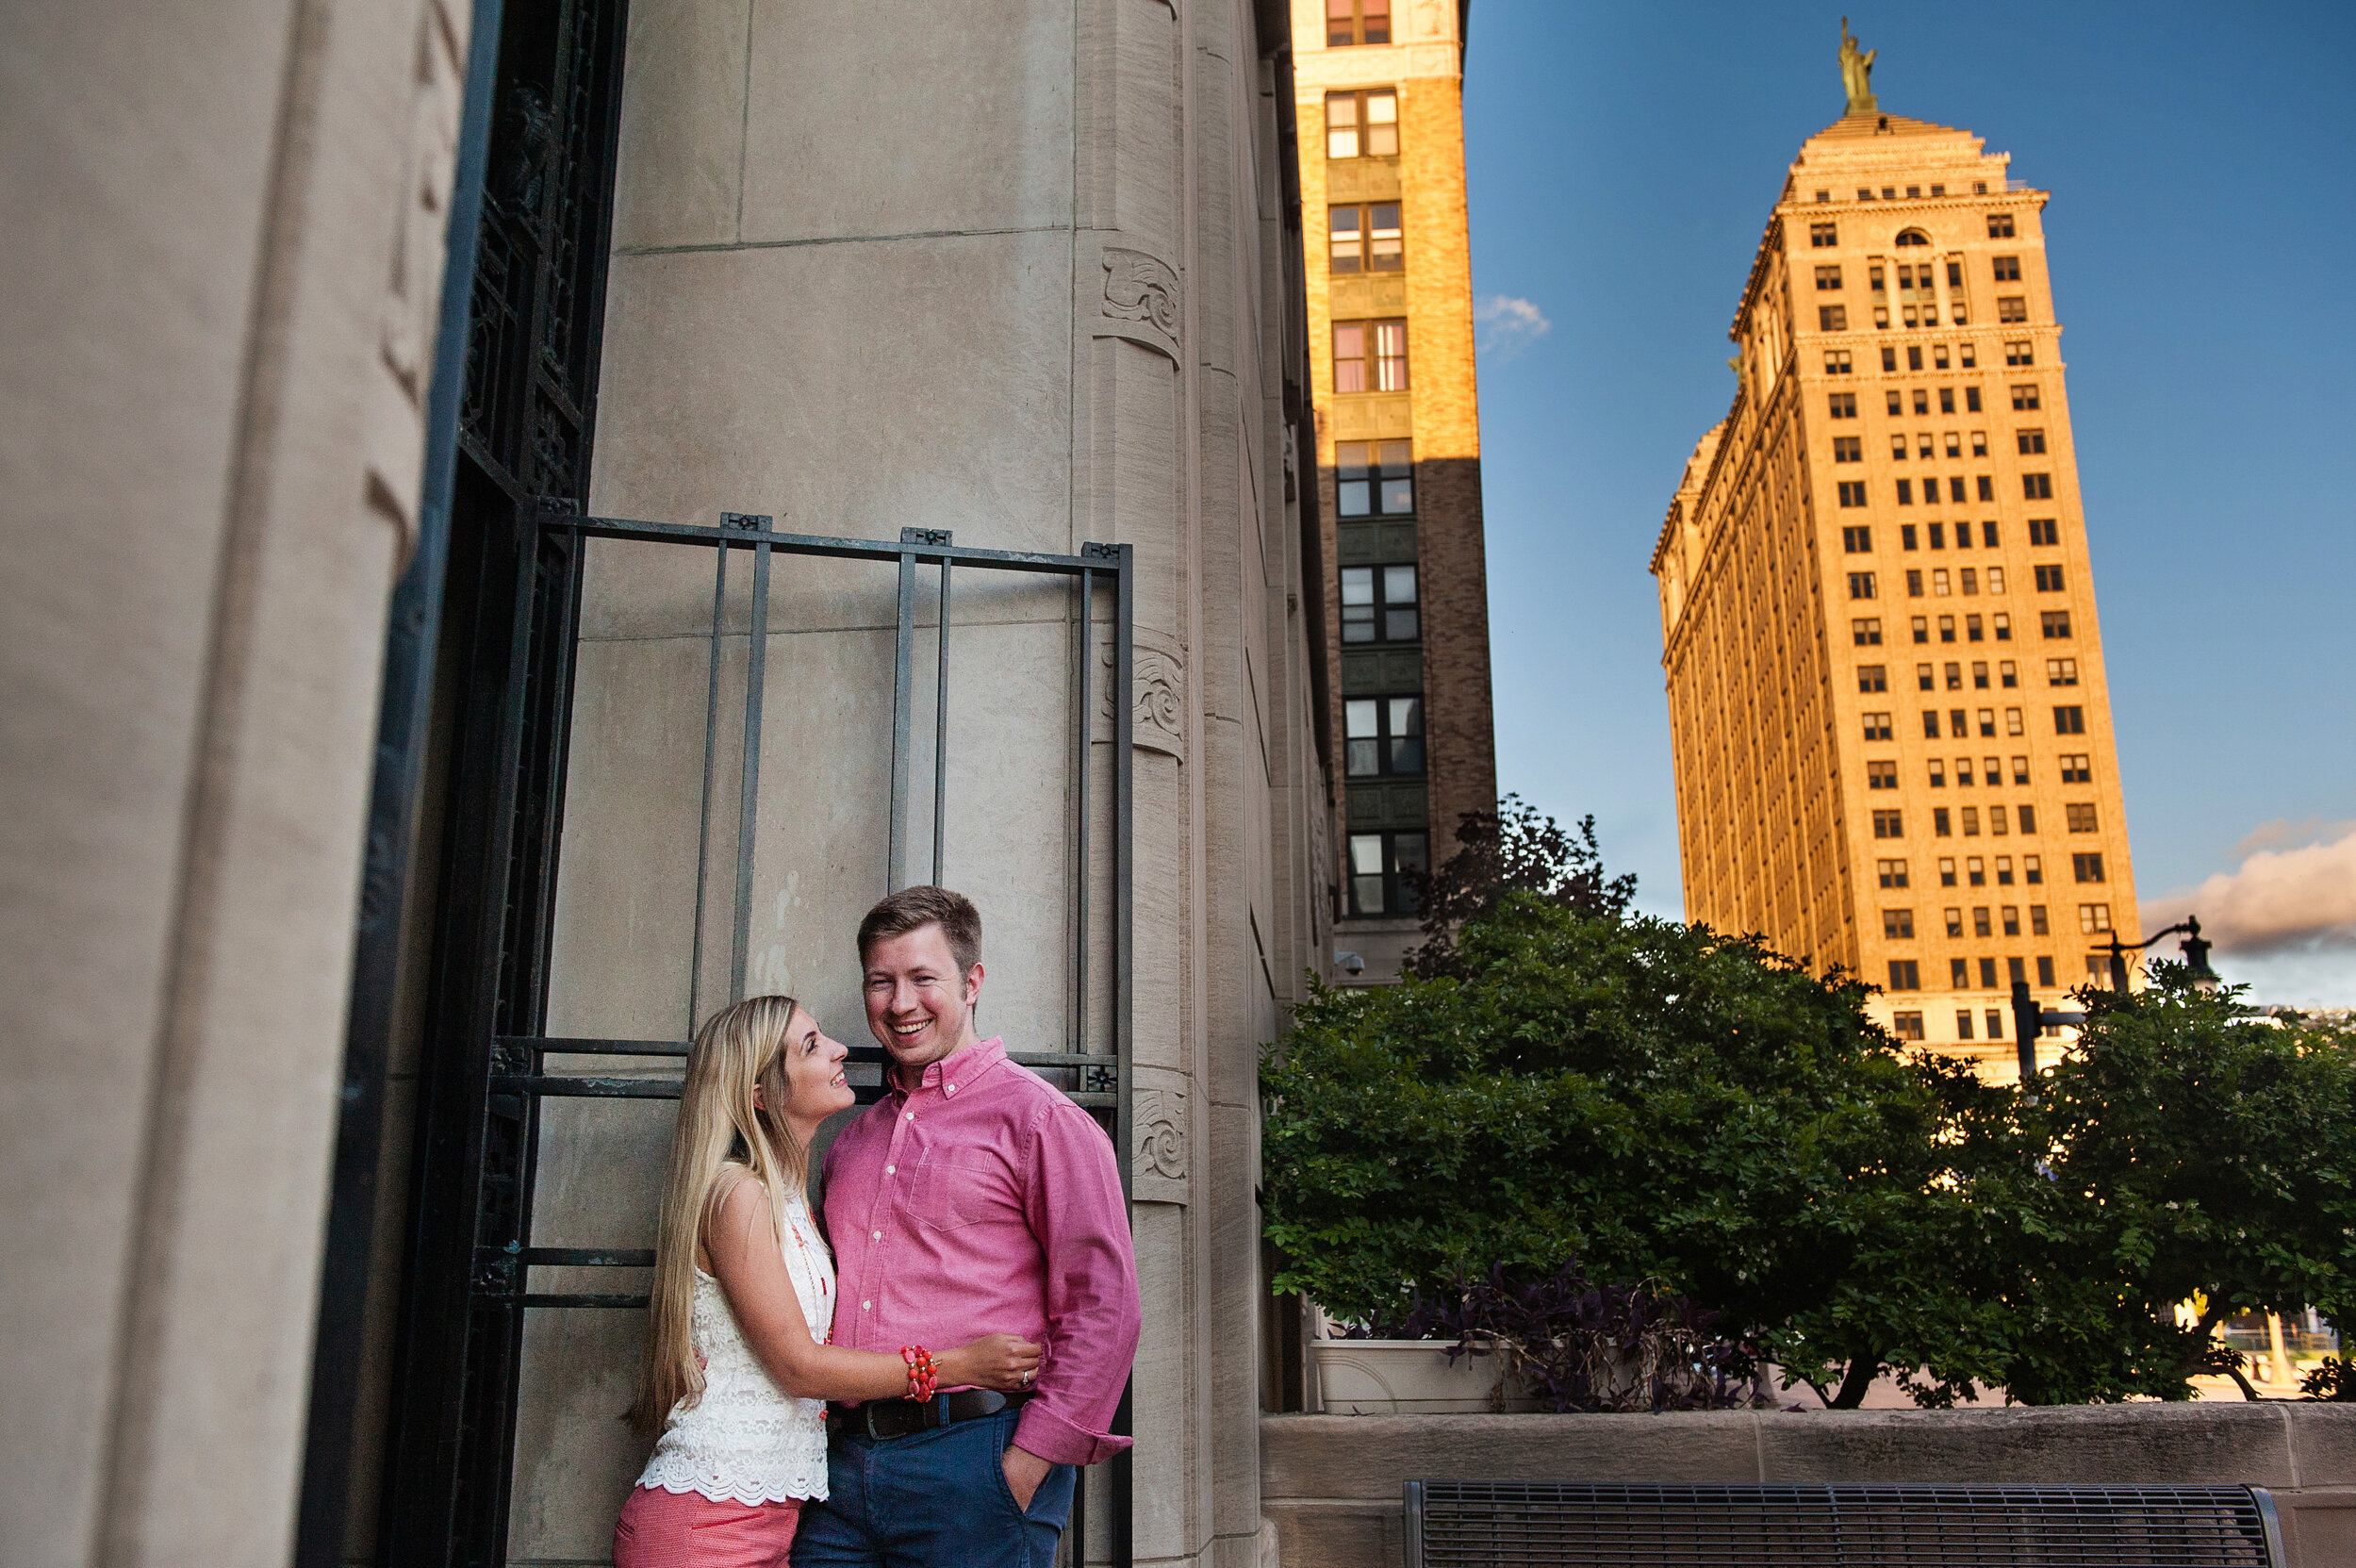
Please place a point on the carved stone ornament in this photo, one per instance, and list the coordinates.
(1159, 723)
(1141, 300)
(1158, 1124)
(393, 432)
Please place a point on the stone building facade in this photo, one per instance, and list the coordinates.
(1380, 94)
(1030, 275)
(1887, 703)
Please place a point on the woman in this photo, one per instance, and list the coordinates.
(738, 1369)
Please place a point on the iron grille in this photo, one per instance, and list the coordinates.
(1532, 1525)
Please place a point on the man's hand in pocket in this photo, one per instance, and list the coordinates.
(1024, 1470)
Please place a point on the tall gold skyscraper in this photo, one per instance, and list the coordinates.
(1379, 94)
(1886, 697)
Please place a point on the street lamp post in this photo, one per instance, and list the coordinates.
(2195, 948)
(2029, 1020)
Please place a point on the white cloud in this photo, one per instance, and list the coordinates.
(2281, 900)
(1509, 325)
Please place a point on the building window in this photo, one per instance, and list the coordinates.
(2048, 579)
(1384, 870)
(2028, 813)
(1828, 277)
(1880, 775)
(2032, 442)
(1906, 1025)
(1890, 356)
(1947, 873)
(2025, 398)
(1866, 633)
(2086, 867)
(1872, 677)
(2007, 268)
(1350, 22)
(2020, 353)
(1971, 821)
(1954, 676)
(2012, 307)
(2069, 721)
(2061, 672)
(2013, 724)
(1898, 447)
(1373, 478)
(2044, 531)
(1942, 584)
(1362, 124)
(2077, 767)
(1920, 627)
(1366, 237)
(1384, 736)
(1844, 405)
(1930, 723)
(2045, 971)
(1905, 491)
(1370, 356)
(1378, 604)
(1939, 768)
(1892, 873)
(1975, 872)
(1914, 362)
(1898, 924)
(1971, 405)
(1857, 540)
(1848, 449)
(1956, 971)
(2080, 816)
(2007, 672)
(2038, 487)
(2032, 870)
(1861, 584)
(2036, 920)
(1891, 824)
(1942, 822)
(1852, 492)
(1832, 318)
(2055, 624)
(1905, 974)
(1837, 362)
(1877, 726)
(2000, 225)
(2093, 918)
(1823, 235)
(1946, 628)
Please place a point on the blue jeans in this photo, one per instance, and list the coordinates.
(934, 1499)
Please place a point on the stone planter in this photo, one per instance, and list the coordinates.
(1402, 1376)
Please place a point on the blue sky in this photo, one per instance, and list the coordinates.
(2202, 242)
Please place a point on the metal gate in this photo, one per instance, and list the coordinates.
(509, 1096)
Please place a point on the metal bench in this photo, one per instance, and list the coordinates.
(1465, 1524)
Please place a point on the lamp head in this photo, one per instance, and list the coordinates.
(2196, 950)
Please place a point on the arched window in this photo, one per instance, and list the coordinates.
(1914, 237)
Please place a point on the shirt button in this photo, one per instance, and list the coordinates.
(891, 1170)
(912, 1115)
(862, 1306)
(879, 1235)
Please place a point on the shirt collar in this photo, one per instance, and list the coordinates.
(956, 1070)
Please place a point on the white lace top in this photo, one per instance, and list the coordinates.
(746, 1441)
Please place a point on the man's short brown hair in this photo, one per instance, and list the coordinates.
(912, 909)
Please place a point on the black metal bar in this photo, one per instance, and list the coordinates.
(588, 1257)
(1124, 980)
(749, 799)
(1414, 1532)
(925, 551)
(412, 634)
(941, 731)
(703, 820)
(903, 657)
(543, 1086)
(1085, 836)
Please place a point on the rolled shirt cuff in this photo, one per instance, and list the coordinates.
(1042, 1432)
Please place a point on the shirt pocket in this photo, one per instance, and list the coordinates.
(950, 1193)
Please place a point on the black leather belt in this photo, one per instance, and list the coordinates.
(890, 1418)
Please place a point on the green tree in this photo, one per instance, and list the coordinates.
(1665, 1102)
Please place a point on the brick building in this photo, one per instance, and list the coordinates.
(1886, 694)
(1398, 445)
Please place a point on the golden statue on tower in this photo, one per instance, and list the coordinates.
(1856, 72)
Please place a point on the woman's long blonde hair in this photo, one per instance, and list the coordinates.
(739, 1048)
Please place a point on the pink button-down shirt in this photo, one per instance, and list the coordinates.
(983, 1201)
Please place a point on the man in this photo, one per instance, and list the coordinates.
(973, 1198)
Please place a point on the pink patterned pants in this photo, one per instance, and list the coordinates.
(683, 1530)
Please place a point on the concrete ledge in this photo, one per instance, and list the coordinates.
(1331, 1484)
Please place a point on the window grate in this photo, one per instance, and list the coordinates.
(1464, 1523)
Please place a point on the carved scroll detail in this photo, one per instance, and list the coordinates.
(1141, 291)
